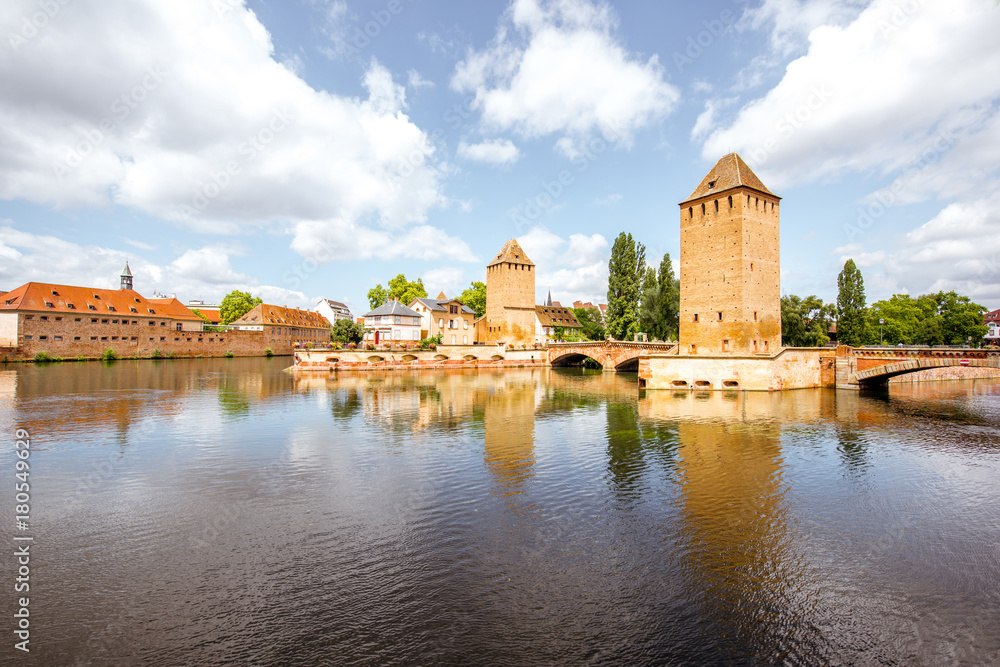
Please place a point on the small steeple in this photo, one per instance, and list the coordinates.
(548, 300)
(126, 278)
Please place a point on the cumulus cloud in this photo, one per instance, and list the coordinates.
(556, 68)
(873, 94)
(958, 249)
(449, 280)
(574, 269)
(204, 273)
(495, 151)
(94, 116)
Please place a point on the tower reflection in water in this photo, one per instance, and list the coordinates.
(742, 572)
(509, 434)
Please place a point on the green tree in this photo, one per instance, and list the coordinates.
(590, 320)
(236, 304)
(852, 325)
(904, 321)
(659, 312)
(400, 289)
(377, 296)
(199, 314)
(347, 331)
(805, 322)
(474, 297)
(962, 321)
(624, 278)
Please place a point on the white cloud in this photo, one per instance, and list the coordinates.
(556, 68)
(415, 81)
(198, 273)
(578, 272)
(959, 249)
(259, 148)
(871, 95)
(325, 241)
(495, 151)
(449, 280)
(793, 20)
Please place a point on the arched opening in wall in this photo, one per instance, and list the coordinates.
(496, 357)
(731, 384)
(574, 359)
(748, 200)
(703, 208)
(440, 357)
(679, 384)
(702, 384)
(374, 359)
(628, 366)
(332, 360)
(409, 357)
(716, 205)
(471, 357)
(730, 201)
(690, 211)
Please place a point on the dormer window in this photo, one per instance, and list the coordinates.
(91, 306)
(711, 184)
(133, 309)
(138, 301)
(111, 308)
(55, 293)
(49, 304)
(71, 306)
(151, 311)
(97, 296)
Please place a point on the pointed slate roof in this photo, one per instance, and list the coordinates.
(126, 273)
(728, 173)
(511, 253)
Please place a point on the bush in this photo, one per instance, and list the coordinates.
(157, 354)
(45, 357)
(268, 352)
(81, 358)
(170, 355)
(229, 355)
(109, 355)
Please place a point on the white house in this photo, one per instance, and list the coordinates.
(392, 322)
(993, 323)
(333, 310)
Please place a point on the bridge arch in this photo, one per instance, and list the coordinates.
(879, 376)
(572, 359)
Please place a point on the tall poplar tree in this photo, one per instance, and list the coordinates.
(851, 321)
(659, 313)
(625, 274)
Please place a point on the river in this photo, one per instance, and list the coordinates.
(224, 511)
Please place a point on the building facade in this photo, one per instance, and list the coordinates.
(333, 310)
(449, 317)
(392, 322)
(285, 327)
(549, 319)
(510, 298)
(730, 268)
(993, 327)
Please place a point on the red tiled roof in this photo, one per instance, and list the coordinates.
(214, 316)
(550, 316)
(993, 315)
(174, 309)
(47, 297)
(280, 315)
(512, 253)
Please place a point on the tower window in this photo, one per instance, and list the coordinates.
(703, 208)
(725, 345)
(694, 349)
(696, 317)
(690, 211)
(720, 316)
(711, 184)
(730, 201)
(755, 316)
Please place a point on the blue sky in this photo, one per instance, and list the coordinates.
(314, 148)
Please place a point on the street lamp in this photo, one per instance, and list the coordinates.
(881, 321)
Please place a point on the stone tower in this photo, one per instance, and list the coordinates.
(510, 297)
(730, 280)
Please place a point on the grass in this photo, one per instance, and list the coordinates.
(45, 357)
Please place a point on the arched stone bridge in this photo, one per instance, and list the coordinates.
(863, 368)
(613, 355)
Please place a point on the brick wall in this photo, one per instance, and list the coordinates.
(70, 339)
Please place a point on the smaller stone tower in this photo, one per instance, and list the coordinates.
(510, 297)
(126, 278)
(730, 268)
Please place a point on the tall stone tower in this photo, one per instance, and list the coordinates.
(730, 269)
(510, 297)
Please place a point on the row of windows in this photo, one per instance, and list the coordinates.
(726, 347)
(116, 338)
(510, 265)
(718, 316)
(756, 205)
(452, 324)
(93, 320)
(395, 319)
